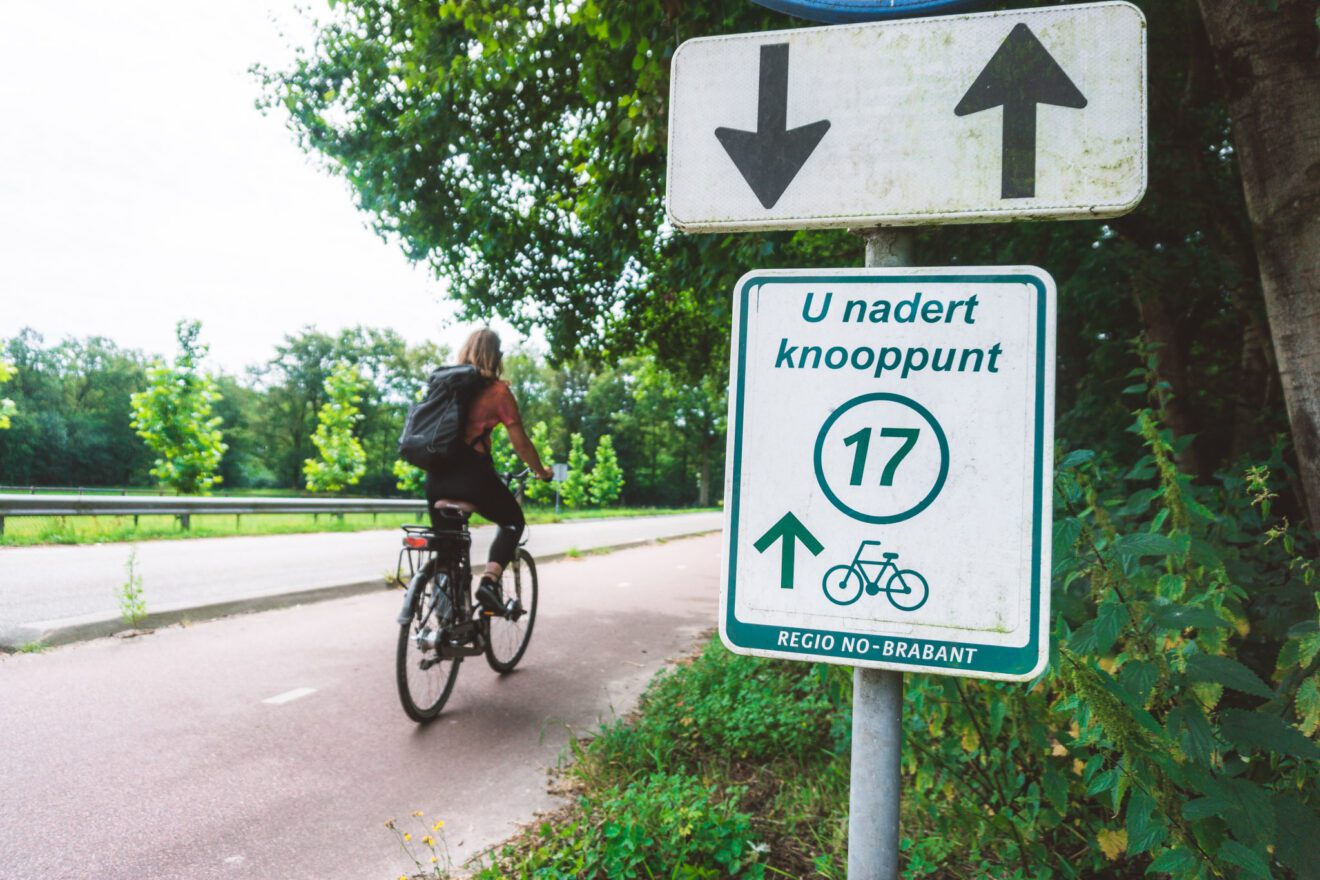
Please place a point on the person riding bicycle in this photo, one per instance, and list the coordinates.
(472, 478)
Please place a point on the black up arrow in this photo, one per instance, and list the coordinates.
(1021, 75)
(770, 157)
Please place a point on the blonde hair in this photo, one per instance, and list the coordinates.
(482, 350)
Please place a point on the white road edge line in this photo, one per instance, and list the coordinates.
(289, 696)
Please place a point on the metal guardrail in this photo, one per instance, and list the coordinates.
(184, 506)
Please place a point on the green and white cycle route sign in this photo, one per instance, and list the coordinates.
(887, 494)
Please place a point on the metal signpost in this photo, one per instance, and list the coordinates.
(560, 474)
(887, 493)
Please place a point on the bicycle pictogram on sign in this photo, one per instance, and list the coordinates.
(905, 588)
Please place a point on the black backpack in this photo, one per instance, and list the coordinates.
(435, 427)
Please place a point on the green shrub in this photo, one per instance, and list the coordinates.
(724, 706)
(1175, 733)
(666, 825)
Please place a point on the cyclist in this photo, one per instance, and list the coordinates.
(472, 478)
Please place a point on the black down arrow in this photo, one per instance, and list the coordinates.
(1021, 75)
(770, 157)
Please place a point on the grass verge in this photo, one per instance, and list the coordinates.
(32, 530)
(732, 767)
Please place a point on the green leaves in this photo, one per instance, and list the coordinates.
(576, 487)
(1145, 831)
(1150, 544)
(342, 460)
(173, 417)
(1110, 619)
(1227, 672)
(606, 482)
(7, 408)
(1180, 617)
(1259, 731)
(1253, 864)
(1178, 860)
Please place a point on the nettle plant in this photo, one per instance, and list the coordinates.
(1175, 732)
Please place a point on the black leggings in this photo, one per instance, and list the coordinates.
(471, 477)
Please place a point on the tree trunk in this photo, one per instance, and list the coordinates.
(1271, 72)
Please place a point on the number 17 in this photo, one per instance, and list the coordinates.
(862, 440)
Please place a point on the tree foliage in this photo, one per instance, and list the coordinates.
(7, 408)
(173, 416)
(519, 150)
(342, 461)
(606, 481)
(576, 488)
(1175, 735)
(540, 490)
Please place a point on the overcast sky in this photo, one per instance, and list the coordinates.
(138, 186)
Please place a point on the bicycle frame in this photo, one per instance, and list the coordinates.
(872, 584)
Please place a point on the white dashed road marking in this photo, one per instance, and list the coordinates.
(289, 696)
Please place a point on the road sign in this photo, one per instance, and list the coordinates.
(560, 472)
(890, 453)
(839, 11)
(1029, 114)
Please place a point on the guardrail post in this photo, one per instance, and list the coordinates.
(2, 526)
(185, 521)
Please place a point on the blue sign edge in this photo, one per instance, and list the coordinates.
(843, 12)
(996, 660)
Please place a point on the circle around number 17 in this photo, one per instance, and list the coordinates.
(881, 458)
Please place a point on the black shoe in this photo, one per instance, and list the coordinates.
(490, 596)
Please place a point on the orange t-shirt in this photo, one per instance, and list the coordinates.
(493, 405)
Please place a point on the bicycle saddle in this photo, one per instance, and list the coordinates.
(449, 505)
(890, 555)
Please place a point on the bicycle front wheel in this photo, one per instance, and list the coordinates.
(907, 590)
(426, 679)
(507, 637)
(842, 585)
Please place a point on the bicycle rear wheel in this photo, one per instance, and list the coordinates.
(507, 637)
(907, 590)
(426, 679)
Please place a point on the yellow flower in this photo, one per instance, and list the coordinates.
(418, 813)
(433, 860)
(428, 840)
(438, 825)
(407, 836)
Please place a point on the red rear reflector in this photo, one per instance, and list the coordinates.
(413, 541)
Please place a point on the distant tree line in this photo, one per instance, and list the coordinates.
(83, 412)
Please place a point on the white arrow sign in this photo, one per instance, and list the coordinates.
(1030, 114)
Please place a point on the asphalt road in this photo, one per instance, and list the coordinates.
(273, 745)
(43, 589)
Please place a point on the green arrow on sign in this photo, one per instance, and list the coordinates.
(791, 530)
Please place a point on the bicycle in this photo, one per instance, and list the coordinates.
(440, 625)
(844, 584)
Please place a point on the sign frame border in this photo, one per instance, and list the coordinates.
(1022, 663)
